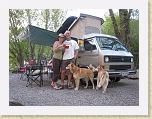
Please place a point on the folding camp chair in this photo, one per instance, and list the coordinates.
(34, 75)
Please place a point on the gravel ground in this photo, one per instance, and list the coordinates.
(124, 93)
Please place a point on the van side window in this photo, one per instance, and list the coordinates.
(89, 45)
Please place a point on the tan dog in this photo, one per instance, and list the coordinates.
(102, 78)
(79, 73)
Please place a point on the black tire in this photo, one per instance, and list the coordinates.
(115, 80)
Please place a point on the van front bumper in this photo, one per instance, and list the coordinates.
(122, 73)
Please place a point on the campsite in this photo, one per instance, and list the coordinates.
(31, 45)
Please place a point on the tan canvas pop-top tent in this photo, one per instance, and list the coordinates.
(85, 24)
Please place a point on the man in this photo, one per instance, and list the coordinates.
(70, 55)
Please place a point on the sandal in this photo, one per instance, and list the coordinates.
(61, 87)
(69, 87)
(52, 85)
(57, 88)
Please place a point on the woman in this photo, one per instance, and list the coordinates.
(58, 50)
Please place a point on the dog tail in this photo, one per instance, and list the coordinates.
(103, 78)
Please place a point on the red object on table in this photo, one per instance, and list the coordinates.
(23, 69)
(31, 62)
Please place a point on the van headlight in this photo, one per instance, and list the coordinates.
(132, 59)
(106, 59)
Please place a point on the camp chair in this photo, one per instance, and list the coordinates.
(34, 74)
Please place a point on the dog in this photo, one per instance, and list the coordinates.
(102, 78)
(92, 68)
(79, 73)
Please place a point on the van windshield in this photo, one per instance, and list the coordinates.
(110, 44)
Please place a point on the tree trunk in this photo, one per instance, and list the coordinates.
(125, 26)
(40, 54)
(32, 46)
(115, 26)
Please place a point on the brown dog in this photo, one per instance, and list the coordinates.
(79, 73)
(102, 78)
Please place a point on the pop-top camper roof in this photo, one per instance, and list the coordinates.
(84, 16)
(85, 24)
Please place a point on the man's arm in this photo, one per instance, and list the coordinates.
(76, 53)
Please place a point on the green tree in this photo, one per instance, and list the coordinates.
(57, 18)
(19, 19)
(16, 48)
(123, 31)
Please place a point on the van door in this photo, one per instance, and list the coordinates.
(90, 55)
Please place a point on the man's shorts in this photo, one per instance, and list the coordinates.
(66, 62)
